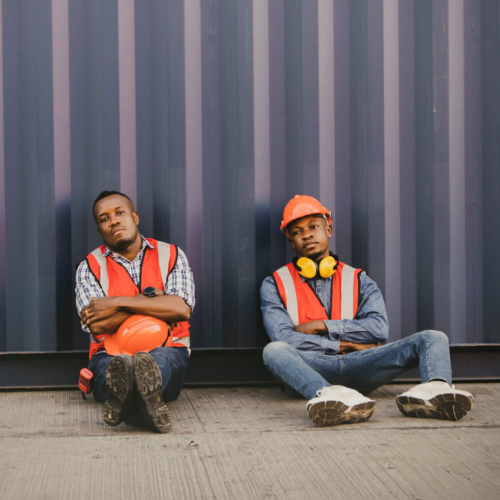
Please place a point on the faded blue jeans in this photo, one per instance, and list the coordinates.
(306, 372)
(172, 362)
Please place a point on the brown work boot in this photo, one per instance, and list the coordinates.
(149, 389)
(120, 382)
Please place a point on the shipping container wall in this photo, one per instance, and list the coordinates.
(212, 114)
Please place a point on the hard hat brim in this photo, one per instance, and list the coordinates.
(111, 347)
(327, 217)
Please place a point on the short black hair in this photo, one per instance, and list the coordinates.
(105, 194)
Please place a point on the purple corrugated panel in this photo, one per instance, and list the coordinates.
(212, 115)
(3, 238)
(126, 84)
(62, 170)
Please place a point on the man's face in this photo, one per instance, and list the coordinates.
(116, 221)
(309, 237)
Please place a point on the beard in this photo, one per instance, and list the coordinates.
(316, 256)
(121, 244)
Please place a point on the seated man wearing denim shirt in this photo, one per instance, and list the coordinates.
(327, 321)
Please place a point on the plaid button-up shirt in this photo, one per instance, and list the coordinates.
(179, 282)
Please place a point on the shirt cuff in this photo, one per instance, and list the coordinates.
(184, 296)
(334, 345)
(335, 329)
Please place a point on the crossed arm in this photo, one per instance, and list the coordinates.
(318, 327)
(368, 329)
(100, 314)
(106, 314)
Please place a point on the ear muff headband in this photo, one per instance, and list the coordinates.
(310, 269)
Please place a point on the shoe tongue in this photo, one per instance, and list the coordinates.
(336, 388)
(439, 382)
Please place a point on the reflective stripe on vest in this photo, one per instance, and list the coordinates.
(303, 305)
(102, 277)
(114, 280)
(182, 342)
(348, 307)
(290, 297)
(164, 259)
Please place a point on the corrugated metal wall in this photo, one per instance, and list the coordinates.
(211, 114)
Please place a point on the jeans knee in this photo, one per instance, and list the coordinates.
(272, 351)
(436, 336)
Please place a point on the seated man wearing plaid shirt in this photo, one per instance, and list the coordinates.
(107, 294)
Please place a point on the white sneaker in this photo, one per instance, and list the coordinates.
(435, 399)
(336, 404)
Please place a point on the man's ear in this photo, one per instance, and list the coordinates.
(135, 215)
(329, 231)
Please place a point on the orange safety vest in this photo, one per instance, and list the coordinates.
(114, 279)
(303, 305)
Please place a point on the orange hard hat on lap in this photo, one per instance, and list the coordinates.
(138, 333)
(303, 206)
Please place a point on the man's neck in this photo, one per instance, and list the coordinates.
(130, 253)
(317, 258)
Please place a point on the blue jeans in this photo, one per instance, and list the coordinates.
(305, 372)
(172, 362)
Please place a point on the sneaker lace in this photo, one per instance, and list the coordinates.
(325, 390)
(319, 393)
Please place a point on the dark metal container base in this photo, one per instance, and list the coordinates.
(216, 367)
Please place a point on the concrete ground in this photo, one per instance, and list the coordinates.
(246, 443)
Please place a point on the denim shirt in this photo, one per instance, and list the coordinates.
(369, 326)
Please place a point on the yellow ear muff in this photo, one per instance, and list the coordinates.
(327, 267)
(308, 268)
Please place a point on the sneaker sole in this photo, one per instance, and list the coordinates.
(444, 406)
(149, 384)
(120, 383)
(329, 413)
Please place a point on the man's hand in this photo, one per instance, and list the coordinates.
(353, 346)
(316, 327)
(99, 309)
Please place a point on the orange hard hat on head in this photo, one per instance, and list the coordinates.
(303, 206)
(138, 333)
